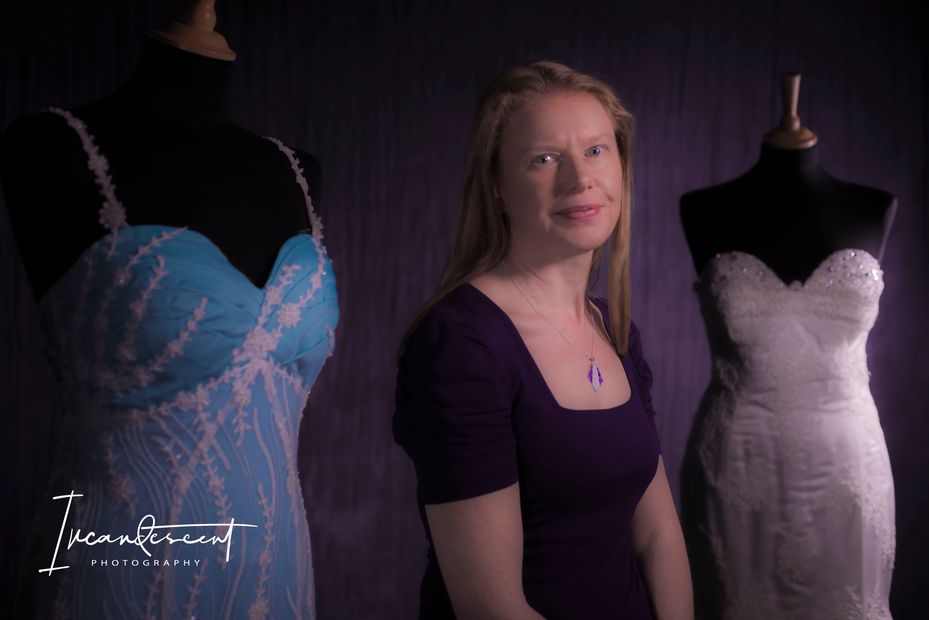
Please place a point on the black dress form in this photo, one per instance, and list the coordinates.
(177, 158)
(787, 212)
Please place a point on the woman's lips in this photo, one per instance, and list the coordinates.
(580, 212)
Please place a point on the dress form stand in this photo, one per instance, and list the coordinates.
(196, 34)
(786, 211)
(176, 155)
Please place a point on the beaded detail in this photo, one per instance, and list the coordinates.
(839, 268)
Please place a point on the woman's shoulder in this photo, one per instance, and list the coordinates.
(464, 315)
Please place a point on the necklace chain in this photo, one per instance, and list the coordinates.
(589, 356)
(594, 376)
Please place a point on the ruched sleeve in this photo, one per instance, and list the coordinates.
(642, 370)
(453, 409)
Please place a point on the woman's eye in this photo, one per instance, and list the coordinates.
(595, 151)
(541, 160)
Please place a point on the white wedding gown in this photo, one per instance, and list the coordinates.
(788, 498)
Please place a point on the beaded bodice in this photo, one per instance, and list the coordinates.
(768, 335)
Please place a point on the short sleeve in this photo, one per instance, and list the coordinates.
(642, 370)
(453, 409)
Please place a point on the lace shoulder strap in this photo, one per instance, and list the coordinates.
(315, 222)
(112, 212)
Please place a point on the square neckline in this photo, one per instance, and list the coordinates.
(540, 378)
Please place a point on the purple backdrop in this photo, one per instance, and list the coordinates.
(383, 94)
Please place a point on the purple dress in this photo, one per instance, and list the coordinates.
(475, 415)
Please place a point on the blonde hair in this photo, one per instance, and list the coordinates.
(482, 236)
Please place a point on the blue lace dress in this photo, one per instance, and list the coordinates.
(184, 385)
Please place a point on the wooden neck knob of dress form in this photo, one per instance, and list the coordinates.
(790, 135)
(195, 33)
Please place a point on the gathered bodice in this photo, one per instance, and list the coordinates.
(164, 314)
(793, 340)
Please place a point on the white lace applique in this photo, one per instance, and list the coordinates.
(120, 486)
(750, 484)
(851, 604)
(289, 315)
(889, 545)
(217, 486)
(109, 375)
(797, 552)
(750, 600)
(193, 590)
(240, 421)
(716, 423)
(301, 181)
(112, 212)
(126, 351)
(259, 608)
(716, 548)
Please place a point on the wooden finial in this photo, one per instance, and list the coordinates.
(790, 135)
(195, 34)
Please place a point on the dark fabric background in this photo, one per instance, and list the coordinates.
(383, 93)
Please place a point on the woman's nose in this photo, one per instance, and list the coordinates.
(575, 175)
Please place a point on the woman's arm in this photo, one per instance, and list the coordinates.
(659, 545)
(479, 544)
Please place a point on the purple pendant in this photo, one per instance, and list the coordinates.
(594, 375)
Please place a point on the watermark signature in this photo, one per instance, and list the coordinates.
(144, 536)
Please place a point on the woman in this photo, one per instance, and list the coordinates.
(524, 406)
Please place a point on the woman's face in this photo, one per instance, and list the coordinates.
(560, 175)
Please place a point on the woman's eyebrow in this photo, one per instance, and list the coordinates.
(542, 146)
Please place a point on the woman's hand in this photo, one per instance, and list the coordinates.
(479, 544)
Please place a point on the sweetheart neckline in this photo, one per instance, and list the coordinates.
(281, 251)
(703, 275)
